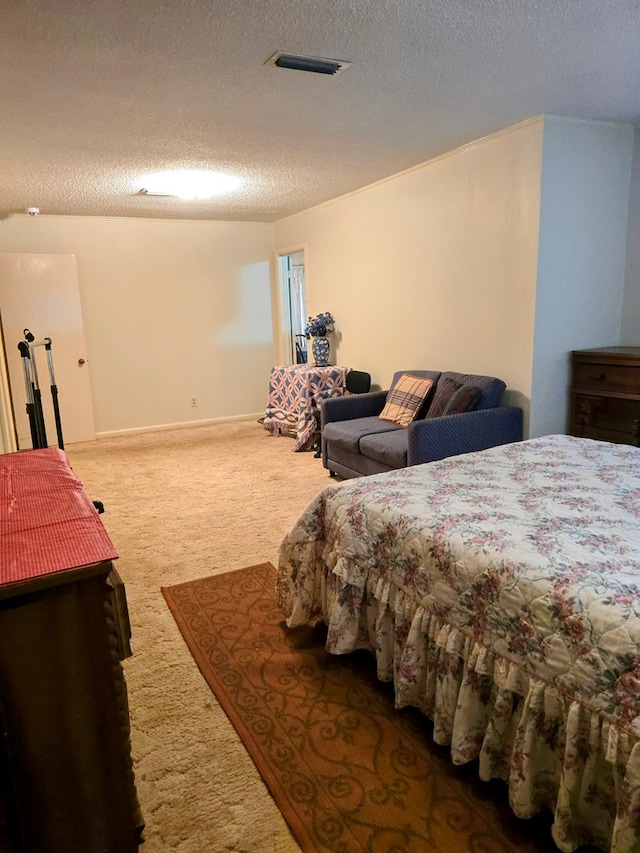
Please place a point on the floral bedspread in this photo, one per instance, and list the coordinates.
(500, 591)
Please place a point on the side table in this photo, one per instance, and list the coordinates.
(295, 392)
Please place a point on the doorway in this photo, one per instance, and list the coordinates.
(293, 310)
(40, 292)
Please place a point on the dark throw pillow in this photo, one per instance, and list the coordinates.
(451, 398)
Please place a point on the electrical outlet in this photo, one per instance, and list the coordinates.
(194, 401)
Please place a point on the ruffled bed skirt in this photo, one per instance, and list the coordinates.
(555, 754)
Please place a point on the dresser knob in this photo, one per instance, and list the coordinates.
(599, 377)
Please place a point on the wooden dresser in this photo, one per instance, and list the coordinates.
(605, 394)
(66, 775)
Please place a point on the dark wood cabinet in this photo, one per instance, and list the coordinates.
(605, 394)
(66, 774)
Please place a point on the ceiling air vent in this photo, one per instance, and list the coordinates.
(307, 63)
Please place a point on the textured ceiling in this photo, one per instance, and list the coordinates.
(95, 93)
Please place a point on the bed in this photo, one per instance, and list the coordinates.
(500, 593)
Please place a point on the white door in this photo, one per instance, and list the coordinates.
(41, 293)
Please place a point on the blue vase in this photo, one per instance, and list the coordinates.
(320, 349)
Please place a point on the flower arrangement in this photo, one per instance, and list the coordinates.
(317, 327)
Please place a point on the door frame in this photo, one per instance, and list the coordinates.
(8, 429)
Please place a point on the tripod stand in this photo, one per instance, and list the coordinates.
(34, 396)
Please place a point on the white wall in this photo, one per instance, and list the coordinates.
(172, 310)
(441, 267)
(434, 268)
(630, 333)
(586, 175)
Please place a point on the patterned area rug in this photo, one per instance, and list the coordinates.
(348, 772)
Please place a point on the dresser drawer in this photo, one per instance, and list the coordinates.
(607, 378)
(605, 418)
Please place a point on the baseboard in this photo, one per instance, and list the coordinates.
(182, 425)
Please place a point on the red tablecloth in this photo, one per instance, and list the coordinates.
(48, 523)
(294, 392)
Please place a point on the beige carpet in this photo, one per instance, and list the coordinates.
(180, 505)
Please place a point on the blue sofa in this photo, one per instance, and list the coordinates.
(355, 442)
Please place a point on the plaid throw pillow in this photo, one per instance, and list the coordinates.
(405, 399)
(451, 399)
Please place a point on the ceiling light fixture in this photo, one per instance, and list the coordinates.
(314, 64)
(188, 184)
